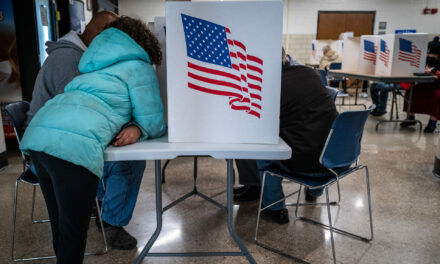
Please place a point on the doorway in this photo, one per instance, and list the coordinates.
(333, 23)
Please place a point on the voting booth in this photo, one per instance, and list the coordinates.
(401, 54)
(367, 55)
(224, 71)
(317, 45)
(350, 54)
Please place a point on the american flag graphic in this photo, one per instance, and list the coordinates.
(370, 50)
(409, 52)
(313, 50)
(384, 54)
(220, 65)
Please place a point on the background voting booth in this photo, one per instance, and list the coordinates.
(317, 45)
(223, 71)
(401, 54)
(367, 55)
(350, 54)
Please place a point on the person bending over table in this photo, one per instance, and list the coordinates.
(426, 97)
(67, 136)
(306, 116)
(123, 178)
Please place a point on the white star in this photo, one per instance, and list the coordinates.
(189, 45)
(186, 27)
(206, 58)
(190, 53)
(209, 55)
(189, 24)
(215, 28)
(184, 18)
(200, 23)
(202, 52)
(198, 56)
(221, 63)
(208, 25)
(215, 49)
(192, 20)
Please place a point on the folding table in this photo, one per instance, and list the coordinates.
(392, 80)
(160, 148)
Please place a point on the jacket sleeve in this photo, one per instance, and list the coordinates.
(147, 107)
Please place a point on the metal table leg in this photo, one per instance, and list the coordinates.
(158, 214)
(231, 213)
(159, 211)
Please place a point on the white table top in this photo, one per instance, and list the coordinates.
(379, 78)
(160, 148)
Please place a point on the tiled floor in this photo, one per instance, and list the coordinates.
(405, 196)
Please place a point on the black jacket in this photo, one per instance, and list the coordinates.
(306, 115)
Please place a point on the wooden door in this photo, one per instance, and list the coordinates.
(333, 23)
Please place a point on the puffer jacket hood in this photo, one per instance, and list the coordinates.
(123, 48)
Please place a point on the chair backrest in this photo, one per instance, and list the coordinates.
(343, 145)
(17, 113)
(335, 66)
(323, 74)
(333, 92)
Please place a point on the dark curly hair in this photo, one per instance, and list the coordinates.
(139, 32)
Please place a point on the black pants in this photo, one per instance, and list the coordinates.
(69, 191)
(248, 172)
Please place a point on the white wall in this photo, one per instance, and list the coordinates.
(301, 16)
(144, 10)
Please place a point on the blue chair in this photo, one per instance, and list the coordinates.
(335, 66)
(334, 92)
(340, 156)
(17, 113)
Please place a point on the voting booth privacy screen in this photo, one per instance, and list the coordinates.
(317, 45)
(401, 54)
(367, 55)
(224, 71)
(350, 55)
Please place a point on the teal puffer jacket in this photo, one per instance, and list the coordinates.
(118, 85)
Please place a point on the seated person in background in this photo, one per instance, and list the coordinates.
(329, 57)
(426, 97)
(67, 137)
(379, 95)
(122, 178)
(306, 115)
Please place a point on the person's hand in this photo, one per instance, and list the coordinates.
(128, 135)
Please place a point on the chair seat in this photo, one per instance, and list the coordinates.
(311, 182)
(28, 177)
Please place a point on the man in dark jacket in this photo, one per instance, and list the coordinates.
(306, 115)
(122, 178)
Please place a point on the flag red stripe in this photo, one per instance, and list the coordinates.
(235, 67)
(255, 96)
(239, 44)
(230, 42)
(253, 68)
(255, 87)
(243, 78)
(255, 59)
(211, 91)
(240, 107)
(243, 66)
(254, 113)
(256, 105)
(232, 54)
(212, 81)
(255, 78)
(228, 31)
(244, 100)
(207, 70)
(241, 56)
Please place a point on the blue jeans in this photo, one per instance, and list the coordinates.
(273, 190)
(379, 95)
(122, 181)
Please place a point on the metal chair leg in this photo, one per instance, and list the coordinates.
(32, 211)
(330, 224)
(98, 208)
(369, 202)
(14, 214)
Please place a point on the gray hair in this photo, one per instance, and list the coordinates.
(326, 48)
